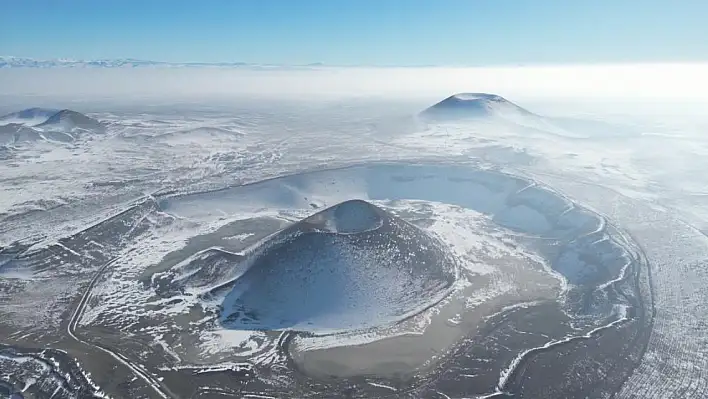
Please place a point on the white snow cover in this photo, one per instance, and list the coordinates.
(661, 167)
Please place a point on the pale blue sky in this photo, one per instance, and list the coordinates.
(359, 32)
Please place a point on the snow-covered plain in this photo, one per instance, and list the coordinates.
(607, 156)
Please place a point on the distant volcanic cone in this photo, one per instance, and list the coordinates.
(69, 120)
(28, 117)
(46, 119)
(348, 267)
(473, 105)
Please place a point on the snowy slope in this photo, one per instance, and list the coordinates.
(13, 134)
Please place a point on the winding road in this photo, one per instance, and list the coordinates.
(139, 372)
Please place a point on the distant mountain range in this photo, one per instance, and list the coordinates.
(21, 62)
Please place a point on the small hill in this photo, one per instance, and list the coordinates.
(15, 133)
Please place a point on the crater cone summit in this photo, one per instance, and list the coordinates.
(473, 105)
(348, 267)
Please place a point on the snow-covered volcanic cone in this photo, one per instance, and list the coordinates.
(473, 105)
(68, 120)
(351, 266)
(53, 120)
(28, 117)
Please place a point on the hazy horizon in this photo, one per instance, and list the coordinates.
(668, 82)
